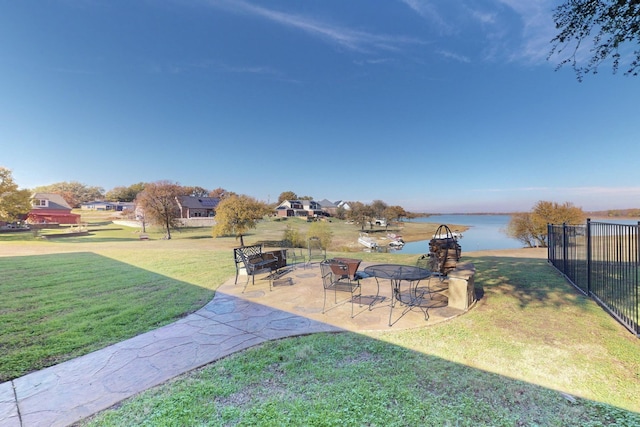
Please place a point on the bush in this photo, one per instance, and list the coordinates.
(322, 231)
(293, 238)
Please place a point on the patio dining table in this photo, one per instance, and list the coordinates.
(397, 274)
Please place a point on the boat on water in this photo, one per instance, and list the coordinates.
(367, 241)
(395, 241)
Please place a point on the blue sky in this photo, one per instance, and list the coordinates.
(436, 106)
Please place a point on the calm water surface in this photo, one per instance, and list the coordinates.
(486, 232)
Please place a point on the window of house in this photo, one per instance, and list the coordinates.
(40, 202)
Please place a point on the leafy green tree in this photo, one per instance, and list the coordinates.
(14, 203)
(235, 215)
(74, 193)
(395, 213)
(608, 25)
(158, 202)
(124, 194)
(287, 195)
(531, 227)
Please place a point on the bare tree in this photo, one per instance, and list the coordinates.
(378, 207)
(361, 213)
(608, 25)
(158, 202)
(220, 193)
(195, 191)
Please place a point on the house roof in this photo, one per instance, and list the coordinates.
(192, 202)
(56, 201)
(105, 203)
(327, 204)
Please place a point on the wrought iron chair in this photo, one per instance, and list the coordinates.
(436, 282)
(336, 277)
(316, 251)
(296, 256)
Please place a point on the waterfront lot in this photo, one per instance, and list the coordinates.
(520, 356)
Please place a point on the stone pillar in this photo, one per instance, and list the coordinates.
(461, 289)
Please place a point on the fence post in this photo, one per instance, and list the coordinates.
(565, 247)
(550, 237)
(637, 305)
(588, 232)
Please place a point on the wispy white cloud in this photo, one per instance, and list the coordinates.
(374, 61)
(483, 17)
(429, 11)
(454, 56)
(526, 41)
(538, 28)
(215, 66)
(355, 40)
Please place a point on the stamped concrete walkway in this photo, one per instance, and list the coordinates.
(234, 320)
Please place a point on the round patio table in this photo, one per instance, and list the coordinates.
(397, 274)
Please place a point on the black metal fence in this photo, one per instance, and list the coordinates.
(602, 260)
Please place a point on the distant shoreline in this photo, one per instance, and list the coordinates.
(599, 216)
(605, 218)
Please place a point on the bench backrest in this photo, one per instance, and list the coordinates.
(245, 252)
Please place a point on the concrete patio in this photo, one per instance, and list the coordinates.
(233, 321)
(302, 294)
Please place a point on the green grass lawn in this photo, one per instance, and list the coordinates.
(532, 352)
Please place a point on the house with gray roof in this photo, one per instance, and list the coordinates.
(197, 207)
(51, 208)
(299, 208)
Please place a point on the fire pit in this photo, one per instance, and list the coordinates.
(444, 250)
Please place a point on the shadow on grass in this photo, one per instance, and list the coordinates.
(56, 307)
(531, 281)
(353, 379)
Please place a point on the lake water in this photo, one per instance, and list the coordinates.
(486, 232)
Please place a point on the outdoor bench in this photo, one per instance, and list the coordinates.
(253, 261)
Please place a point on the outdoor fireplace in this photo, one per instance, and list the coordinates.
(444, 250)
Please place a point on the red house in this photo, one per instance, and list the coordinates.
(51, 208)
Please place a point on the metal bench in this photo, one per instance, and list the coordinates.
(254, 261)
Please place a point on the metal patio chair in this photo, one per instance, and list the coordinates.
(315, 250)
(336, 277)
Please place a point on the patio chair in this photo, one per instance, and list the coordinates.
(336, 277)
(296, 256)
(316, 251)
(436, 281)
